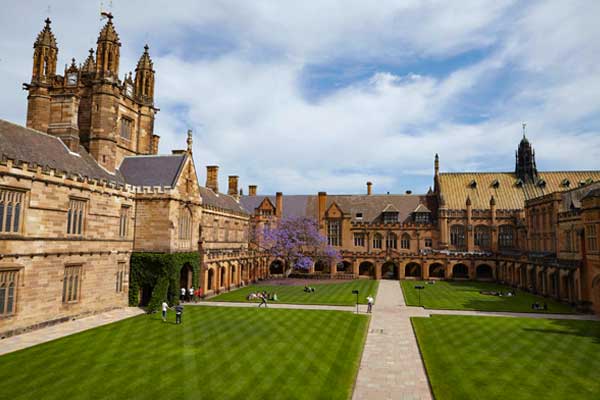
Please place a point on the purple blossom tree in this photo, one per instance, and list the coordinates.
(298, 242)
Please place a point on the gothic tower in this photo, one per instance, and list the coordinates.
(107, 53)
(525, 167)
(144, 78)
(45, 54)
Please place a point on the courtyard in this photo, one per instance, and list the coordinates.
(225, 353)
(473, 295)
(291, 291)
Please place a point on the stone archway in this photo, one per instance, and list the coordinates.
(460, 271)
(321, 266)
(276, 268)
(344, 267)
(412, 270)
(484, 272)
(222, 276)
(366, 268)
(390, 270)
(185, 276)
(210, 279)
(437, 270)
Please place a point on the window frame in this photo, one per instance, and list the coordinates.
(334, 232)
(359, 239)
(9, 278)
(378, 241)
(71, 286)
(12, 210)
(76, 226)
(127, 124)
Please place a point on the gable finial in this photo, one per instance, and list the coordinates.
(189, 141)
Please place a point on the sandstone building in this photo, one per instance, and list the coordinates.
(86, 202)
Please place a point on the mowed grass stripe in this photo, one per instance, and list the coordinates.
(465, 295)
(510, 358)
(325, 293)
(225, 353)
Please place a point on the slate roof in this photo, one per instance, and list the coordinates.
(455, 187)
(221, 200)
(371, 206)
(38, 148)
(152, 170)
(572, 198)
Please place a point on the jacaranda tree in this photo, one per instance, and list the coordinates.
(298, 242)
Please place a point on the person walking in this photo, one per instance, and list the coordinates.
(369, 304)
(263, 300)
(183, 291)
(191, 293)
(165, 307)
(178, 313)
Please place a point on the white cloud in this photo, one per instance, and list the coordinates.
(233, 71)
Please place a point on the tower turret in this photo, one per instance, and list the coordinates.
(108, 52)
(525, 167)
(144, 78)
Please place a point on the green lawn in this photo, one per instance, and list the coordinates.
(218, 352)
(510, 358)
(464, 295)
(325, 293)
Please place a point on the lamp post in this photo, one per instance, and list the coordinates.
(419, 288)
(356, 293)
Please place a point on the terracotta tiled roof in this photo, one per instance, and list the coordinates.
(38, 148)
(220, 200)
(455, 187)
(152, 170)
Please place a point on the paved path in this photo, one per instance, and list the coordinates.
(391, 365)
(43, 335)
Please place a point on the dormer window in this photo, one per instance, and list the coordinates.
(473, 184)
(359, 216)
(566, 183)
(495, 184)
(421, 218)
(390, 217)
(541, 183)
(519, 182)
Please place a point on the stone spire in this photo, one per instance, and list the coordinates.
(189, 141)
(144, 78)
(45, 53)
(107, 52)
(89, 64)
(525, 167)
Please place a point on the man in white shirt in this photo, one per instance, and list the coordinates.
(191, 293)
(183, 293)
(369, 303)
(165, 306)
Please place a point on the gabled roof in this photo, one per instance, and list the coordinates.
(390, 208)
(152, 170)
(509, 195)
(421, 209)
(571, 199)
(38, 148)
(220, 200)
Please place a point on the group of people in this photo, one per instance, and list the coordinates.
(309, 289)
(190, 294)
(178, 312)
(263, 297)
(538, 306)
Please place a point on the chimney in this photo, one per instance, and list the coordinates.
(322, 205)
(278, 204)
(233, 185)
(369, 188)
(154, 144)
(252, 190)
(212, 177)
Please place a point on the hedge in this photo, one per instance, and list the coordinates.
(160, 271)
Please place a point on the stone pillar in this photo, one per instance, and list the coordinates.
(425, 270)
(355, 271)
(469, 228)
(402, 272)
(252, 190)
(378, 266)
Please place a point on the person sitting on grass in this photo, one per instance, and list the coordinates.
(306, 289)
(275, 297)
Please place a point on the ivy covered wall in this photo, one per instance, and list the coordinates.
(160, 273)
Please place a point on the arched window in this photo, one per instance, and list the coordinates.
(506, 237)
(391, 242)
(482, 236)
(377, 241)
(185, 227)
(8, 287)
(405, 242)
(457, 236)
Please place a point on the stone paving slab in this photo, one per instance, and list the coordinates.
(391, 366)
(47, 334)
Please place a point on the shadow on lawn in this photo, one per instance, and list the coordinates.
(589, 329)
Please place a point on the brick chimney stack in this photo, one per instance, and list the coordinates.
(212, 177)
(278, 204)
(233, 185)
(252, 190)
(369, 188)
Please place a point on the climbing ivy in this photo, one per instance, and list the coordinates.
(160, 271)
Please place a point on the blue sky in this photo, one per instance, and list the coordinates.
(301, 97)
